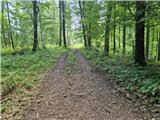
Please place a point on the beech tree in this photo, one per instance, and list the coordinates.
(107, 29)
(35, 12)
(158, 47)
(60, 22)
(10, 27)
(140, 24)
(64, 27)
(82, 22)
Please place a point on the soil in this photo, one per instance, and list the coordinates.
(79, 92)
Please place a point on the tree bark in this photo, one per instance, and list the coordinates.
(114, 30)
(89, 35)
(158, 48)
(60, 22)
(41, 27)
(147, 31)
(140, 22)
(83, 26)
(153, 38)
(2, 26)
(10, 29)
(147, 40)
(64, 28)
(35, 34)
(119, 35)
(124, 29)
(107, 30)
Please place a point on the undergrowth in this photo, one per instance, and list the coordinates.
(143, 81)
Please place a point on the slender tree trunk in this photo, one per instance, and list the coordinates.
(153, 38)
(35, 12)
(10, 29)
(2, 27)
(83, 26)
(140, 22)
(114, 30)
(107, 30)
(147, 41)
(64, 28)
(40, 26)
(119, 35)
(158, 47)
(124, 29)
(147, 32)
(133, 47)
(68, 38)
(16, 32)
(60, 22)
(89, 35)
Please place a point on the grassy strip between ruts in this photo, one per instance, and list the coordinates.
(71, 58)
(20, 74)
(142, 81)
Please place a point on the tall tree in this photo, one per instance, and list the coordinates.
(114, 29)
(64, 27)
(35, 12)
(140, 21)
(153, 38)
(124, 29)
(40, 25)
(2, 24)
(82, 21)
(60, 22)
(158, 47)
(147, 40)
(119, 34)
(10, 27)
(107, 29)
(89, 35)
(147, 32)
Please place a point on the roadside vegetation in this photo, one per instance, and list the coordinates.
(143, 81)
(22, 72)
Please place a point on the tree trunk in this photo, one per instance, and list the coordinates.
(64, 28)
(60, 22)
(147, 32)
(139, 46)
(147, 41)
(114, 30)
(2, 27)
(40, 26)
(35, 12)
(158, 48)
(10, 29)
(107, 30)
(124, 29)
(119, 35)
(153, 38)
(83, 26)
(89, 35)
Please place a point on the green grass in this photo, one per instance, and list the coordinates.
(21, 72)
(71, 58)
(143, 81)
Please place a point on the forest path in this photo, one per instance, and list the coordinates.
(78, 92)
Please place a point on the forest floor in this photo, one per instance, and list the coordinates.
(75, 90)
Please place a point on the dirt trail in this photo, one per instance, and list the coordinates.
(77, 92)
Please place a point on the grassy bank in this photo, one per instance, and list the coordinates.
(20, 73)
(142, 81)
